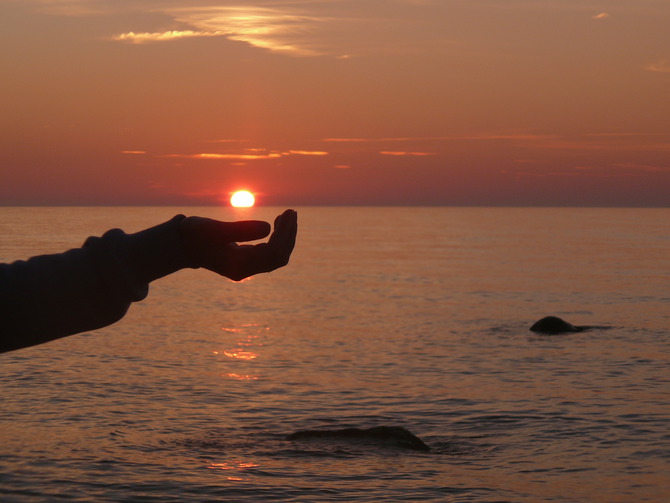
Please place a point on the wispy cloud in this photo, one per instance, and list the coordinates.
(622, 170)
(660, 66)
(275, 29)
(303, 28)
(402, 153)
(249, 154)
(620, 135)
(613, 142)
(642, 167)
(278, 30)
(602, 15)
(375, 140)
(207, 155)
(139, 38)
(347, 140)
(479, 137)
(133, 152)
(307, 152)
(529, 137)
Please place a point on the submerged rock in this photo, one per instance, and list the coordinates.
(386, 436)
(554, 325)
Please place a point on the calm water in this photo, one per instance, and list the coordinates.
(386, 316)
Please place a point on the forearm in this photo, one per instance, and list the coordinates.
(53, 296)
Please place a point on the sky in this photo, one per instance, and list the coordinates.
(335, 102)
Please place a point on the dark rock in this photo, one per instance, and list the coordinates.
(386, 436)
(553, 325)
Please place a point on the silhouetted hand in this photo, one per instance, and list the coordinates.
(213, 244)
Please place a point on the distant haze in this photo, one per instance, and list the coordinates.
(366, 102)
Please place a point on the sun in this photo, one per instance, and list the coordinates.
(242, 199)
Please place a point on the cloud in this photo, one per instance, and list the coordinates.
(133, 152)
(593, 142)
(207, 155)
(139, 38)
(605, 143)
(578, 172)
(617, 135)
(347, 140)
(372, 140)
(275, 29)
(249, 154)
(642, 167)
(478, 137)
(544, 174)
(512, 137)
(602, 15)
(307, 152)
(661, 66)
(302, 28)
(401, 153)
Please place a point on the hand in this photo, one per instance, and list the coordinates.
(213, 244)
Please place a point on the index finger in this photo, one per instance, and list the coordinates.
(244, 230)
(282, 240)
(215, 232)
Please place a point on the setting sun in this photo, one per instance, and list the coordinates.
(242, 199)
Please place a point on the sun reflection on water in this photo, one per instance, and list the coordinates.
(241, 377)
(241, 355)
(230, 466)
(245, 340)
(233, 465)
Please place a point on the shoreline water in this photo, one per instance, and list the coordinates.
(402, 317)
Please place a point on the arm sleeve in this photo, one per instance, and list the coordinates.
(52, 296)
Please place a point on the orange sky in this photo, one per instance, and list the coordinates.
(432, 102)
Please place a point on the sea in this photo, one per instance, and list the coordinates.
(404, 317)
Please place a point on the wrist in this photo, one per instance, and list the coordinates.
(158, 251)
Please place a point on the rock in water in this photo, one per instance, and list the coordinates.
(387, 436)
(554, 325)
